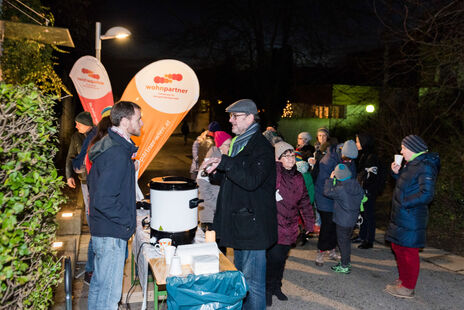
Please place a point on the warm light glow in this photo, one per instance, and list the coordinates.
(67, 214)
(122, 36)
(288, 110)
(57, 244)
(219, 101)
(370, 108)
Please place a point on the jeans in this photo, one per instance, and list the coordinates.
(90, 264)
(344, 243)
(106, 284)
(252, 263)
(276, 256)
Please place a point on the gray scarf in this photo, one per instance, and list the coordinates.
(241, 141)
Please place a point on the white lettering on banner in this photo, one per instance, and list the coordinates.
(155, 139)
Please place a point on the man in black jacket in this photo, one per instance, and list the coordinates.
(112, 204)
(246, 216)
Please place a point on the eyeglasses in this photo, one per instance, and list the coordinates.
(288, 156)
(235, 115)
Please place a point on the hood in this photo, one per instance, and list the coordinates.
(367, 142)
(352, 187)
(108, 141)
(429, 158)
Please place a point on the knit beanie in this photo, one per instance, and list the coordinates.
(349, 149)
(84, 118)
(305, 135)
(214, 126)
(106, 111)
(324, 130)
(281, 147)
(302, 166)
(415, 144)
(342, 172)
(220, 137)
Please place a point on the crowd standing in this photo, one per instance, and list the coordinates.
(257, 189)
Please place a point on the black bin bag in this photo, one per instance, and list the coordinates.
(223, 290)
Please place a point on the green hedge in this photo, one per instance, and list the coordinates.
(30, 195)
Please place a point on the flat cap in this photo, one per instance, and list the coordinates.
(244, 106)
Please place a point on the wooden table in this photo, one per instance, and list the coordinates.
(160, 272)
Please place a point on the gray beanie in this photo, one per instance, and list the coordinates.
(342, 172)
(349, 149)
(414, 143)
(281, 147)
(84, 118)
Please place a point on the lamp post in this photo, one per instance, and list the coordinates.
(112, 33)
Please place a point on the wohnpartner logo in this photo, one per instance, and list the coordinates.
(90, 73)
(168, 78)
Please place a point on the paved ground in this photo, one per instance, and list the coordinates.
(440, 284)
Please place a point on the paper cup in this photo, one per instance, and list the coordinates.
(398, 159)
(176, 268)
(210, 236)
(169, 252)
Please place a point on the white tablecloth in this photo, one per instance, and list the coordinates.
(148, 251)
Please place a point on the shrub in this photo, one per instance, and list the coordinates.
(30, 194)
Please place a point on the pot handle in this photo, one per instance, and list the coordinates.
(193, 203)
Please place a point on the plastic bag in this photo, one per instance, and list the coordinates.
(223, 290)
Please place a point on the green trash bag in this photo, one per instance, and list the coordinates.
(223, 290)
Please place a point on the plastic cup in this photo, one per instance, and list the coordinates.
(210, 236)
(398, 159)
(169, 252)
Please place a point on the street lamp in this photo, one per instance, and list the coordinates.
(112, 33)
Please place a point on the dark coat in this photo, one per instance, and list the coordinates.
(326, 166)
(347, 196)
(112, 187)
(371, 174)
(414, 190)
(74, 148)
(306, 151)
(246, 216)
(292, 200)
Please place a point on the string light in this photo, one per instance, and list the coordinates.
(288, 110)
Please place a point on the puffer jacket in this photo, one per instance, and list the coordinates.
(414, 190)
(347, 196)
(292, 200)
(326, 166)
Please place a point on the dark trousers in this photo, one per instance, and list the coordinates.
(367, 231)
(344, 243)
(328, 234)
(276, 256)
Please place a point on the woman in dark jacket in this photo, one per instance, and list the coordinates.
(414, 191)
(370, 176)
(292, 199)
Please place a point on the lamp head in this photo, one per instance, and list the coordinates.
(116, 32)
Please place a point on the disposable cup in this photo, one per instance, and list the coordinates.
(176, 268)
(398, 159)
(210, 236)
(169, 252)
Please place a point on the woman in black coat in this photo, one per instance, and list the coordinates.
(370, 176)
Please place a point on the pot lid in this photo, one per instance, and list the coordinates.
(172, 183)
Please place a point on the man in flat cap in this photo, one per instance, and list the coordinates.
(415, 186)
(246, 218)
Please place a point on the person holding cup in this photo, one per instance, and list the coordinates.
(414, 190)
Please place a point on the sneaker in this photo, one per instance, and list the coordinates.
(280, 296)
(88, 277)
(320, 258)
(396, 283)
(333, 255)
(399, 291)
(341, 269)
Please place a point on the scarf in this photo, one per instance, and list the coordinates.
(239, 142)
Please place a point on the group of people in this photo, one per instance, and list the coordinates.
(256, 193)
